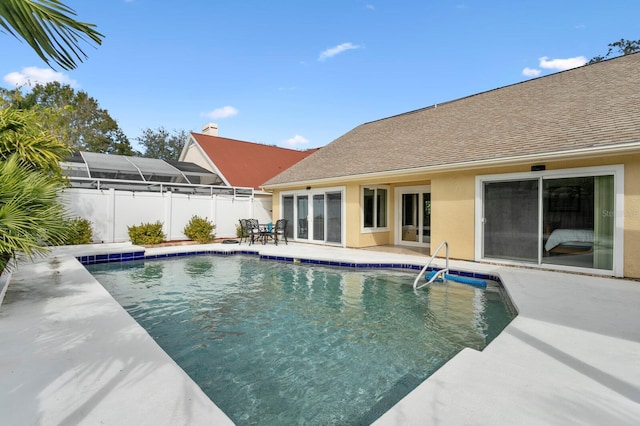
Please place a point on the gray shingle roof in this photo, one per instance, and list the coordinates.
(591, 106)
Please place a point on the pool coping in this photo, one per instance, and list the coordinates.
(140, 253)
(546, 367)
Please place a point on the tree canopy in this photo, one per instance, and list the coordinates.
(618, 48)
(162, 144)
(71, 116)
(50, 28)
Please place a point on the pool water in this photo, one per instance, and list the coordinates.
(276, 343)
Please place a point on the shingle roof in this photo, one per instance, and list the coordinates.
(591, 106)
(247, 164)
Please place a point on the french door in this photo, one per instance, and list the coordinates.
(314, 216)
(413, 216)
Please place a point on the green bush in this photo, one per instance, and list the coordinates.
(146, 233)
(200, 230)
(240, 232)
(79, 231)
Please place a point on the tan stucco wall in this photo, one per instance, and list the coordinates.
(453, 207)
(275, 206)
(353, 237)
(352, 216)
(452, 214)
(631, 216)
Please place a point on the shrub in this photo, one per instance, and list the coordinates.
(240, 232)
(79, 231)
(146, 233)
(200, 230)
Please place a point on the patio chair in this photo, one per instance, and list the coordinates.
(280, 228)
(244, 230)
(253, 229)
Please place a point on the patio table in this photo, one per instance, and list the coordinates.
(266, 231)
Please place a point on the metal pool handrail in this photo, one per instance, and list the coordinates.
(440, 272)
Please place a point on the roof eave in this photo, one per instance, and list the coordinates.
(598, 151)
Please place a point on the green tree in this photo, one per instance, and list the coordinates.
(22, 135)
(618, 48)
(73, 117)
(31, 216)
(159, 143)
(49, 27)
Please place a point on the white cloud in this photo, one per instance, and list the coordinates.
(30, 76)
(296, 141)
(531, 72)
(562, 64)
(333, 51)
(224, 112)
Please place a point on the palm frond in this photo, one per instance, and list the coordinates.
(49, 27)
(31, 216)
(21, 134)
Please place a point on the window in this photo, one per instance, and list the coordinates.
(374, 207)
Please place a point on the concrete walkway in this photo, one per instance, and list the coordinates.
(69, 354)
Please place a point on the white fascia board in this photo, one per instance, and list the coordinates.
(190, 140)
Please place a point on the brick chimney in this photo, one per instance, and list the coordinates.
(210, 129)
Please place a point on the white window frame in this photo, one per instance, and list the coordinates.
(366, 230)
(617, 170)
(310, 193)
(399, 192)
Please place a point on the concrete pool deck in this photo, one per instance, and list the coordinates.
(69, 354)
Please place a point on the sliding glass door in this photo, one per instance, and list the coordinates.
(552, 219)
(288, 212)
(578, 221)
(334, 217)
(303, 217)
(318, 217)
(511, 220)
(314, 216)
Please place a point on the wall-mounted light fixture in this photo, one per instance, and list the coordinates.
(538, 168)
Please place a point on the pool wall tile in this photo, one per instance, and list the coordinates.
(141, 255)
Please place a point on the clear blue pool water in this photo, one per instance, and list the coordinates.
(276, 343)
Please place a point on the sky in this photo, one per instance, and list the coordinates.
(300, 74)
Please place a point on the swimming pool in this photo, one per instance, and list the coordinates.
(280, 343)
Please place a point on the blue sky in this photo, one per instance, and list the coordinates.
(300, 74)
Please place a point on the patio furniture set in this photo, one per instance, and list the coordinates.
(253, 231)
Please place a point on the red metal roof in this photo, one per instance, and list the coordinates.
(248, 164)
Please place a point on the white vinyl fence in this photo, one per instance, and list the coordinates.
(111, 211)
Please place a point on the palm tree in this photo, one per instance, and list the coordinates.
(22, 135)
(31, 216)
(49, 27)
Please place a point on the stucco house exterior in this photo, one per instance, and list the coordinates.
(543, 173)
